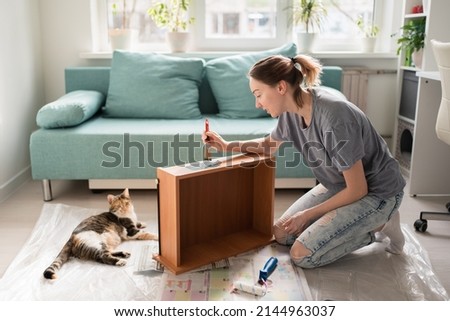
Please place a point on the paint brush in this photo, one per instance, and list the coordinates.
(206, 155)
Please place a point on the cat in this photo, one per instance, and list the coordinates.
(96, 237)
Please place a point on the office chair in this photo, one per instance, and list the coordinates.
(441, 51)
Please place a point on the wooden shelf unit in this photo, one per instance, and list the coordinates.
(206, 215)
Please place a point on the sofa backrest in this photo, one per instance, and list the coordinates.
(97, 78)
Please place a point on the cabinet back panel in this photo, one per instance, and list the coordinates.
(215, 205)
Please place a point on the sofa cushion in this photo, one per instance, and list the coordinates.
(228, 79)
(70, 110)
(133, 148)
(149, 85)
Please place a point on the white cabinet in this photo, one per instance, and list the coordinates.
(422, 156)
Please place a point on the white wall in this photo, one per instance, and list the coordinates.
(39, 39)
(66, 31)
(22, 89)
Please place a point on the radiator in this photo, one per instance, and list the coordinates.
(355, 84)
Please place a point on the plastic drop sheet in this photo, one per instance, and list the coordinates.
(367, 274)
(371, 273)
(77, 280)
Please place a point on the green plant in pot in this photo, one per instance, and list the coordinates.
(121, 34)
(412, 41)
(308, 15)
(369, 34)
(369, 31)
(173, 15)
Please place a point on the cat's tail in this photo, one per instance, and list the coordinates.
(63, 257)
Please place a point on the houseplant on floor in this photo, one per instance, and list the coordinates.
(120, 34)
(173, 15)
(308, 16)
(412, 42)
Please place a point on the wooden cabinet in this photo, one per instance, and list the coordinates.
(422, 156)
(209, 214)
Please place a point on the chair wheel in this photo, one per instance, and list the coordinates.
(447, 206)
(421, 225)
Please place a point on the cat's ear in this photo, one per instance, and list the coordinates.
(110, 198)
(126, 193)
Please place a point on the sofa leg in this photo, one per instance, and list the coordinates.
(47, 190)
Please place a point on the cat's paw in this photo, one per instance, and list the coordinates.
(121, 262)
(141, 225)
(147, 236)
(122, 254)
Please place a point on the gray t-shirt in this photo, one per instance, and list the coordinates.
(339, 135)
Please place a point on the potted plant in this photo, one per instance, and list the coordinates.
(412, 41)
(120, 34)
(308, 15)
(173, 15)
(369, 34)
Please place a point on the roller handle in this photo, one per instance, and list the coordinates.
(267, 270)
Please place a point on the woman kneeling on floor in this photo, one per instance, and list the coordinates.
(360, 184)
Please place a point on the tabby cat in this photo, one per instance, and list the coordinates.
(96, 237)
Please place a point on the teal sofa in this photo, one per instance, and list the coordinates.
(117, 152)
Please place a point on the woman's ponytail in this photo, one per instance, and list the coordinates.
(310, 68)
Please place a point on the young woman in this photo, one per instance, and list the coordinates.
(360, 185)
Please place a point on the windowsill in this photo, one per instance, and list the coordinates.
(354, 54)
(203, 54)
(215, 54)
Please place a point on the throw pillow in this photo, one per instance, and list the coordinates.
(149, 85)
(71, 109)
(228, 79)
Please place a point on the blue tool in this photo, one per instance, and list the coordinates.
(267, 270)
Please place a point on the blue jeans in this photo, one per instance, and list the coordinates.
(337, 232)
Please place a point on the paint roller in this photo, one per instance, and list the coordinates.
(260, 288)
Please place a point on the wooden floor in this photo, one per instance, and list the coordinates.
(18, 215)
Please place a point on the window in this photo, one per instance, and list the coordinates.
(220, 25)
(131, 14)
(340, 31)
(242, 24)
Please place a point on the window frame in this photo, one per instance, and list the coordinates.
(99, 26)
(200, 42)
